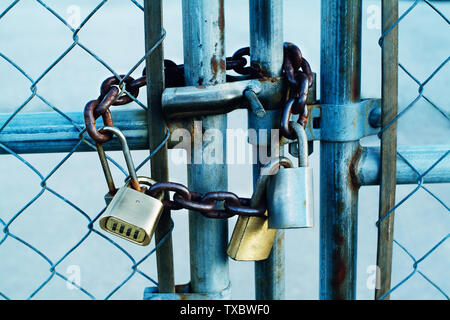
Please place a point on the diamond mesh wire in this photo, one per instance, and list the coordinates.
(135, 263)
(7, 225)
(421, 96)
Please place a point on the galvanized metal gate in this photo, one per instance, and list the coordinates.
(340, 120)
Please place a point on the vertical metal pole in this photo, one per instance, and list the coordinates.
(157, 129)
(204, 60)
(388, 154)
(340, 84)
(266, 48)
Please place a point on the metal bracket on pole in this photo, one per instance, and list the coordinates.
(183, 292)
(340, 123)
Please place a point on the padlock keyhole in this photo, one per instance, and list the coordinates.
(316, 123)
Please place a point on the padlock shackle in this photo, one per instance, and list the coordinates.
(128, 160)
(302, 141)
(106, 170)
(266, 171)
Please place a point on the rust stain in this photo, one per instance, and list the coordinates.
(339, 275)
(340, 207)
(181, 289)
(268, 79)
(222, 65)
(353, 178)
(214, 65)
(339, 239)
(258, 69)
(222, 22)
(217, 66)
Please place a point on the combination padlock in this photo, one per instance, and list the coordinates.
(290, 192)
(131, 214)
(252, 239)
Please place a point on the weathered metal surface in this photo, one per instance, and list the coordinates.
(254, 102)
(340, 123)
(153, 13)
(368, 170)
(388, 157)
(49, 132)
(338, 221)
(184, 292)
(340, 85)
(299, 75)
(266, 47)
(204, 58)
(221, 98)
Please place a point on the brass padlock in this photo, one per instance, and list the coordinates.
(131, 214)
(252, 239)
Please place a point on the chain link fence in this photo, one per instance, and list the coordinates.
(75, 26)
(417, 105)
(135, 260)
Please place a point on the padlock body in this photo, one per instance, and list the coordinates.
(290, 198)
(252, 240)
(132, 215)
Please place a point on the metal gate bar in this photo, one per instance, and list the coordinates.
(153, 11)
(204, 61)
(340, 84)
(388, 154)
(266, 50)
(423, 158)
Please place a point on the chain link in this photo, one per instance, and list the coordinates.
(208, 204)
(300, 79)
(117, 92)
(217, 204)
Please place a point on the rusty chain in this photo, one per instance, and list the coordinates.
(208, 204)
(116, 92)
(300, 79)
(217, 204)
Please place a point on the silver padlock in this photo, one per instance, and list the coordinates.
(290, 191)
(131, 214)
